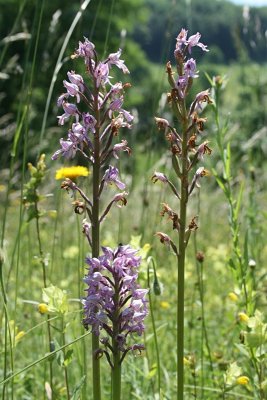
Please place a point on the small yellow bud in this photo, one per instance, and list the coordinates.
(233, 297)
(243, 317)
(242, 380)
(19, 336)
(43, 308)
(187, 362)
(52, 214)
(165, 305)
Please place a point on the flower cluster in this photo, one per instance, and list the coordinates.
(93, 108)
(115, 303)
(100, 97)
(187, 147)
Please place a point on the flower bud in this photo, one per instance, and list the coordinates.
(243, 317)
(233, 297)
(242, 380)
(43, 308)
(162, 123)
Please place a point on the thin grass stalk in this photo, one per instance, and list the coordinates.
(41, 253)
(59, 65)
(64, 354)
(44, 358)
(203, 320)
(151, 308)
(20, 123)
(13, 29)
(55, 230)
(93, 25)
(225, 155)
(204, 333)
(5, 323)
(108, 28)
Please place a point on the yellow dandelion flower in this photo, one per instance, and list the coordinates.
(243, 317)
(72, 172)
(242, 380)
(165, 305)
(43, 308)
(233, 297)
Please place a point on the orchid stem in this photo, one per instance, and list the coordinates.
(95, 242)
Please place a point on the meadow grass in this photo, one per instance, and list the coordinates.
(66, 252)
(214, 288)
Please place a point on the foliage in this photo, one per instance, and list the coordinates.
(225, 340)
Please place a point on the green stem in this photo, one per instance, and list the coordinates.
(257, 366)
(181, 261)
(41, 253)
(203, 319)
(116, 369)
(95, 240)
(204, 332)
(116, 376)
(180, 310)
(151, 308)
(64, 353)
(5, 322)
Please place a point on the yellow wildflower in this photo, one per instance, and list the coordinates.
(164, 305)
(242, 380)
(43, 308)
(243, 317)
(71, 172)
(233, 297)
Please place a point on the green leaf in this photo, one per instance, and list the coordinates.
(56, 299)
(208, 78)
(68, 357)
(152, 372)
(176, 166)
(227, 160)
(18, 132)
(232, 372)
(246, 261)
(243, 350)
(239, 200)
(136, 241)
(220, 182)
(231, 263)
(253, 339)
(59, 354)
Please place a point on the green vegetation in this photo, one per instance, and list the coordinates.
(42, 252)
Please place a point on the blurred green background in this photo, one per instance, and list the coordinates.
(33, 32)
